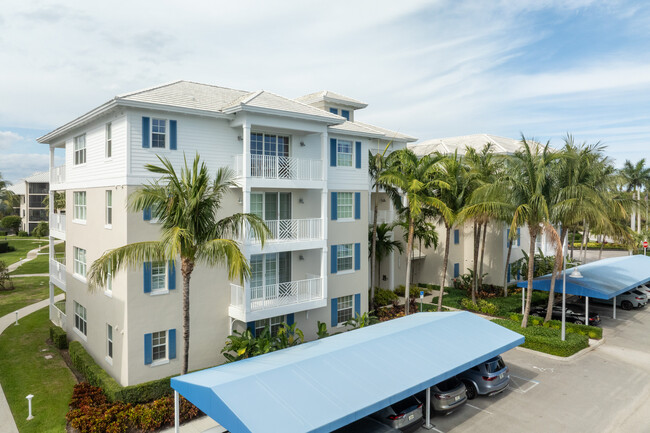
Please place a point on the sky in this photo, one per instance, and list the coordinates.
(430, 69)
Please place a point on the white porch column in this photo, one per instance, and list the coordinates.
(176, 410)
(246, 137)
(324, 200)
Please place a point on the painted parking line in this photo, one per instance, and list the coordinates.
(521, 384)
(478, 408)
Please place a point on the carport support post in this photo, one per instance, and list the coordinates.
(614, 304)
(428, 425)
(176, 430)
(586, 310)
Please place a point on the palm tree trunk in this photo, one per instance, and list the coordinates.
(586, 243)
(602, 245)
(480, 273)
(477, 240)
(531, 261)
(409, 250)
(573, 239)
(584, 237)
(445, 261)
(187, 266)
(505, 275)
(638, 225)
(373, 247)
(554, 275)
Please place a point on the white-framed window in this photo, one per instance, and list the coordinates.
(344, 308)
(109, 207)
(274, 323)
(80, 262)
(343, 153)
(159, 346)
(80, 322)
(109, 140)
(345, 205)
(158, 133)
(109, 341)
(344, 255)
(80, 149)
(158, 277)
(79, 211)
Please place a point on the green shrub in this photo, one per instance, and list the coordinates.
(467, 304)
(3, 233)
(592, 332)
(414, 291)
(59, 337)
(96, 376)
(4, 247)
(547, 340)
(482, 306)
(23, 234)
(384, 297)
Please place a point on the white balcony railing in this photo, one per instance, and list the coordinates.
(57, 313)
(292, 230)
(384, 216)
(58, 174)
(281, 167)
(57, 222)
(57, 273)
(277, 295)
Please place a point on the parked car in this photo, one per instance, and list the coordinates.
(645, 289)
(574, 313)
(627, 301)
(367, 425)
(446, 396)
(489, 378)
(403, 415)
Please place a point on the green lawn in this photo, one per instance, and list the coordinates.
(28, 290)
(41, 264)
(24, 370)
(22, 247)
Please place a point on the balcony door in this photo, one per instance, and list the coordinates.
(270, 156)
(275, 209)
(270, 275)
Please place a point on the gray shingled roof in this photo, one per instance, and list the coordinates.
(329, 96)
(476, 141)
(270, 101)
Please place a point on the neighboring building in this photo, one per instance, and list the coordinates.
(301, 164)
(427, 264)
(32, 191)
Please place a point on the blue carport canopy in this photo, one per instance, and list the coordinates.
(602, 279)
(325, 384)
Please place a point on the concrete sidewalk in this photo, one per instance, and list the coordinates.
(7, 423)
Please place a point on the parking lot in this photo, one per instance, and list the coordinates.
(604, 390)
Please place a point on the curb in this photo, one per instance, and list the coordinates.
(593, 344)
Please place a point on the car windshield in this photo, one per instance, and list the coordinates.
(405, 405)
(494, 366)
(636, 292)
(449, 384)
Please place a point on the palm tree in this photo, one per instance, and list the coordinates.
(424, 233)
(636, 176)
(186, 207)
(418, 181)
(383, 243)
(8, 200)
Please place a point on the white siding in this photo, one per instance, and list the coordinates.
(349, 178)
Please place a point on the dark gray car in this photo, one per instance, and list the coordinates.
(404, 414)
(366, 425)
(488, 378)
(446, 396)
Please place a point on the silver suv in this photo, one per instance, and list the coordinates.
(488, 378)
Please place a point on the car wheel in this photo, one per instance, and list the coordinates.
(470, 390)
(626, 305)
(578, 322)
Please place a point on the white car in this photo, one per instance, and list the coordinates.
(628, 300)
(644, 288)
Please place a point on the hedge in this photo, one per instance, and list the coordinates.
(596, 246)
(547, 340)
(592, 332)
(59, 337)
(96, 376)
(4, 247)
(384, 297)
(3, 233)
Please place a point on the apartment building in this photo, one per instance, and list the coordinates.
(301, 165)
(427, 262)
(32, 191)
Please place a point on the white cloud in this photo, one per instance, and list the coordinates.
(7, 138)
(16, 166)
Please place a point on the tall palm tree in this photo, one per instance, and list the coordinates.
(383, 243)
(186, 206)
(636, 176)
(418, 180)
(8, 200)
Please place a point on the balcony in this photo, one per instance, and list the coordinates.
(57, 225)
(57, 313)
(384, 216)
(293, 230)
(58, 175)
(280, 167)
(57, 273)
(276, 299)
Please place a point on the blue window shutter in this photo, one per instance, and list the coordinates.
(357, 304)
(147, 277)
(290, 319)
(332, 152)
(357, 256)
(334, 265)
(171, 275)
(334, 110)
(148, 351)
(172, 135)
(507, 237)
(172, 343)
(251, 327)
(335, 312)
(346, 114)
(518, 237)
(509, 275)
(357, 152)
(334, 205)
(456, 236)
(456, 270)
(519, 274)
(357, 205)
(145, 132)
(146, 214)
